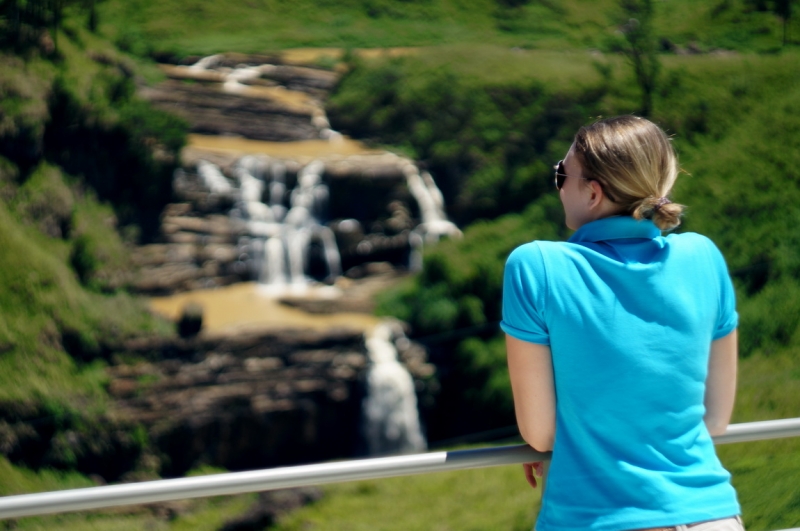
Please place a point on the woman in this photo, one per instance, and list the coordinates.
(622, 345)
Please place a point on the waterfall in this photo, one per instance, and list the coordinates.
(391, 419)
(206, 63)
(274, 270)
(434, 220)
(431, 205)
(234, 82)
(278, 238)
(213, 179)
(282, 224)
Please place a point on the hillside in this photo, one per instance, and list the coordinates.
(205, 27)
(487, 99)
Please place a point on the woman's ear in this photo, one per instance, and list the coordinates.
(597, 194)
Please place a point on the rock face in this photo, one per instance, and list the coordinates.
(212, 112)
(314, 81)
(262, 100)
(199, 251)
(269, 398)
(253, 400)
(372, 212)
(378, 206)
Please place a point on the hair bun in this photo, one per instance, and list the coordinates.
(660, 210)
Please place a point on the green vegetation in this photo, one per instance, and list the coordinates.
(181, 28)
(207, 514)
(488, 142)
(73, 141)
(482, 499)
(26, 22)
(641, 47)
(488, 101)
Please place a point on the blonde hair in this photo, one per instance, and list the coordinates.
(633, 159)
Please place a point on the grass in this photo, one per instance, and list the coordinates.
(205, 27)
(21, 480)
(469, 500)
(202, 514)
(765, 472)
(43, 299)
(499, 65)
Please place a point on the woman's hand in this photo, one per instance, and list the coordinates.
(532, 470)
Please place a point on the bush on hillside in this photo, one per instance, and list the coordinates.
(58, 208)
(50, 435)
(127, 157)
(45, 201)
(491, 147)
(81, 114)
(75, 143)
(23, 111)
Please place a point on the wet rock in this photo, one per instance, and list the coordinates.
(249, 400)
(200, 252)
(212, 112)
(191, 320)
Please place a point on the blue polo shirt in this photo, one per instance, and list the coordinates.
(629, 316)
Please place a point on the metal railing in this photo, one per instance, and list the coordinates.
(318, 474)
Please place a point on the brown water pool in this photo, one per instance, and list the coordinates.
(248, 305)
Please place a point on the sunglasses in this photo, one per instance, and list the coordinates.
(561, 177)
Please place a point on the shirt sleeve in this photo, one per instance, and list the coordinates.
(524, 290)
(728, 318)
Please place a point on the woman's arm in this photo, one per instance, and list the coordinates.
(720, 383)
(531, 370)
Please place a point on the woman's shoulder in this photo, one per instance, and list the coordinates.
(537, 249)
(690, 237)
(693, 241)
(694, 246)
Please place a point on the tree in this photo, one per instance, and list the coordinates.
(92, 21)
(22, 22)
(640, 47)
(783, 8)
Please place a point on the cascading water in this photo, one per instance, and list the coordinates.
(282, 225)
(213, 179)
(431, 206)
(421, 185)
(391, 419)
(234, 82)
(279, 238)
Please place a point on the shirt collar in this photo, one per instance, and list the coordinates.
(615, 228)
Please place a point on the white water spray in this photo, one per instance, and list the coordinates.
(213, 179)
(434, 221)
(278, 238)
(391, 420)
